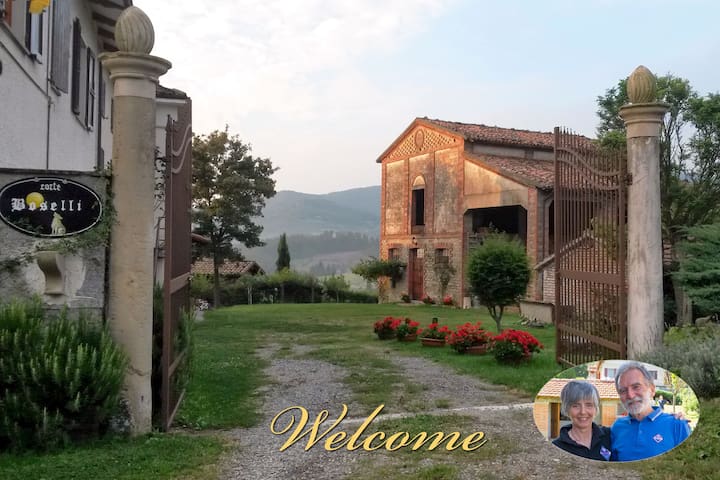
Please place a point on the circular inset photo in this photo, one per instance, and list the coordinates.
(616, 410)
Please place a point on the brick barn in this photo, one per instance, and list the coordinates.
(446, 184)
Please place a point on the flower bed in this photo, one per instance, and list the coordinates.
(468, 335)
(384, 328)
(397, 327)
(434, 335)
(406, 329)
(515, 346)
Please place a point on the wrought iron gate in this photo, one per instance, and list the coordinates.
(590, 287)
(176, 295)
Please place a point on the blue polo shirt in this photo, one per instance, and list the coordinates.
(655, 434)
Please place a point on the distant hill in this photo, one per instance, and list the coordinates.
(354, 210)
(328, 253)
(327, 234)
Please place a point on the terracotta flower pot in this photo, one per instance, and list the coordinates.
(408, 338)
(433, 342)
(477, 350)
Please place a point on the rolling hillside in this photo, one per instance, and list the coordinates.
(327, 233)
(355, 210)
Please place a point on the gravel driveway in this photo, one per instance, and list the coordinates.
(503, 415)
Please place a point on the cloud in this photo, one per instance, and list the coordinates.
(278, 56)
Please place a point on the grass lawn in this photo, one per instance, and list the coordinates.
(227, 373)
(153, 456)
(340, 334)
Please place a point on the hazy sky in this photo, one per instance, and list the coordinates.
(322, 88)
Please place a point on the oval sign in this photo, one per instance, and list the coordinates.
(49, 206)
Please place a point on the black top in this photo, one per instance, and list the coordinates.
(600, 447)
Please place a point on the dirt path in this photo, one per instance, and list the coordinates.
(504, 416)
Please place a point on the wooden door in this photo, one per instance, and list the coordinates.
(415, 277)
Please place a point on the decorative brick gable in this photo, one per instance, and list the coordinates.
(420, 140)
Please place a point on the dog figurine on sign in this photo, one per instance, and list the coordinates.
(57, 226)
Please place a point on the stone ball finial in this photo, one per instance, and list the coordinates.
(134, 31)
(641, 86)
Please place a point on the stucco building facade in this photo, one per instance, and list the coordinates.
(56, 114)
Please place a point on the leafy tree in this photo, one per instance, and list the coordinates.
(373, 268)
(283, 259)
(689, 169)
(498, 273)
(335, 285)
(230, 187)
(699, 271)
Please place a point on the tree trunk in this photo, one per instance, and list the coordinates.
(216, 285)
(683, 304)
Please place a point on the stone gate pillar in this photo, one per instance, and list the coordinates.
(643, 118)
(134, 74)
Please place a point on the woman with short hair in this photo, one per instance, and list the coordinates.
(580, 402)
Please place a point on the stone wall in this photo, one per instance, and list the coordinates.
(81, 276)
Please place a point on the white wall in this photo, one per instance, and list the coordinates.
(29, 105)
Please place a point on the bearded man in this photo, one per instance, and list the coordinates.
(646, 431)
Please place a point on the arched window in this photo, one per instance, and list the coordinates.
(418, 202)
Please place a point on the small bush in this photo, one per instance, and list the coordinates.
(694, 358)
(59, 380)
(498, 272)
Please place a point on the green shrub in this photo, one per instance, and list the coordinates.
(201, 286)
(694, 358)
(498, 273)
(59, 380)
(353, 296)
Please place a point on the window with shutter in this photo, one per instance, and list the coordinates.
(61, 36)
(101, 92)
(3, 10)
(6, 11)
(76, 64)
(34, 34)
(90, 92)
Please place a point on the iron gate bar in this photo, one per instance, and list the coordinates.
(176, 289)
(590, 291)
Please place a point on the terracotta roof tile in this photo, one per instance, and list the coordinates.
(552, 389)
(537, 173)
(205, 267)
(497, 135)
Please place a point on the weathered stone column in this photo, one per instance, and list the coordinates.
(134, 74)
(643, 119)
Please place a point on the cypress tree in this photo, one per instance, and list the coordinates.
(283, 260)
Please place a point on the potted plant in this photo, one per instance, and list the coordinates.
(448, 300)
(385, 328)
(427, 299)
(515, 346)
(470, 338)
(406, 330)
(434, 335)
